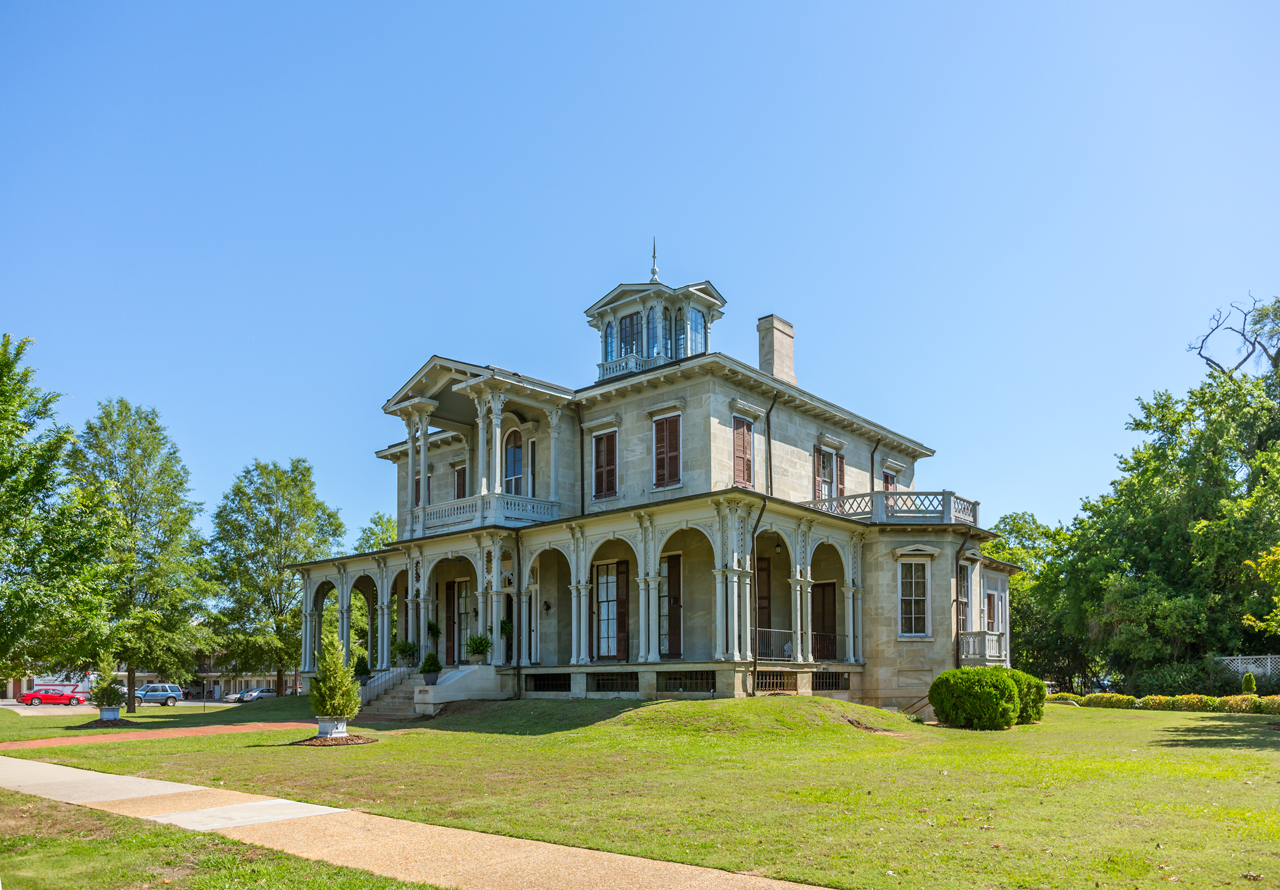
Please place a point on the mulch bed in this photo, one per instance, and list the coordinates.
(106, 724)
(1275, 726)
(318, 742)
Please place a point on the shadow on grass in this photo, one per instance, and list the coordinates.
(528, 717)
(1250, 731)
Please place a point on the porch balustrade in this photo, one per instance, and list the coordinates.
(775, 645)
(943, 507)
(628, 364)
(830, 647)
(488, 509)
(981, 645)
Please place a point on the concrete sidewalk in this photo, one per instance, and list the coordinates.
(395, 848)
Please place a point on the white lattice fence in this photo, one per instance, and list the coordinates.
(1258, 665)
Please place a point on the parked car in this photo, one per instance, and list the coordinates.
(257, 694)
(162, 693)
(49, 696)
(231, 697)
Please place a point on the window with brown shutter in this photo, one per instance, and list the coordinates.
(666, 451)
(460, 483)
(417, 491)
(606, 465)
(742, 451)
(817, 472)
(839, 475)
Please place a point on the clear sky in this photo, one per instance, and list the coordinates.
(993, 226)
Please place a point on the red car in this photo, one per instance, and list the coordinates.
(49, 696)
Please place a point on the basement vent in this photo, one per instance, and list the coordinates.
(825, 681)
(613, 682)
(546, 682)
(687, 681)
(776, 681)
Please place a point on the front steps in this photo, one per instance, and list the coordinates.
(463, 683)
(396, 703)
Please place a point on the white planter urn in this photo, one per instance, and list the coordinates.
(109, 713)
(332, 727)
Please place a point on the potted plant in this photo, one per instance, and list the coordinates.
(433, 631)
(430, 669)
(335, 694)
(406, 652)
(106, 692)
(478, 646)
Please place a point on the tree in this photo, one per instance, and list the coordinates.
(1268, 568)
(269, 520)
(379, 534)
(54, 532)
(335, 691)
(157, 593)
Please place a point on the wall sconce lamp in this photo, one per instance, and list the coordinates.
(475, 613)
(777, 548)
(546, 606)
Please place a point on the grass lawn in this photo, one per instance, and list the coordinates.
(53, 846)
(788, 787)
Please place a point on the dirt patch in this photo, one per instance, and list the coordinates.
(318, 742)
(1275, 726)
(22, 816)
(106, 724)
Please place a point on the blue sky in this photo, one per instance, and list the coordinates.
(993, 226)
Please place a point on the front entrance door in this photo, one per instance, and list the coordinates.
(450, 621)
(824, 621)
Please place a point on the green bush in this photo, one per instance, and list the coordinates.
(975, 698)
(1209, 676)
(430, 664)
(360, 666)
(1065, 696)
(107, 691)
(334, 691)
(1031, 694)
(1109, 700)
(479, 644)
(1236, 704)
(1269, 704)
(1195, 703)
(1248, 686)
(1155, 703)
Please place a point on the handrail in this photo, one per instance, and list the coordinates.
(380, 683)
(944, 507)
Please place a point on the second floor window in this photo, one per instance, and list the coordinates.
(666, 451)
(828, 473)
(513, 469)
(460, 483)
(629, 334)
(417, 491)
(605, 464)
(962, 597)
(890, 481)
(742, 447)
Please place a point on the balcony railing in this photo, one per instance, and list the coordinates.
(775, 645)
(982, 646)
(943, 507)
(829, 647)
(628, 364)
(488, 509)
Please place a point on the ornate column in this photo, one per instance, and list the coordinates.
(747, 643)
(524, 627)
(642, 612)
(499, 641)
(795, 620)
(575, 621)
(423, 464)
(731, 606)
(344, 630)
(718, 650)
(408, 499)
(857, 605)
(497, 401)
(655, 619)
(306, 641)
(553, 419)
(850, 646)
(482, 446)
(384, 636)
(584, 603)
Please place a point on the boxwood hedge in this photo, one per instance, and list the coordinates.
(1031, 694)
(975, 698)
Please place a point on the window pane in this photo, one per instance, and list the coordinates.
(607, 610)
(629, 334)
(697, 332)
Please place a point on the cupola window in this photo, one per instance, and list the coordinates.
(629, 334)
(653, 345)
(697, 332)
(513, 477)
(680, 341)
(666, 332)
(610, 345)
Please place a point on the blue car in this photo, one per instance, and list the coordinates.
(161, 693)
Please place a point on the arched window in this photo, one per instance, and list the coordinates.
(651, 333)
(513, 466)
(697, 332)
(610, 347)
(680, 344)
(666, 332)
(629, 334)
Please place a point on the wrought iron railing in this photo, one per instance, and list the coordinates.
(380, 682)
(775, 645)
(943, 507)
(829, 647)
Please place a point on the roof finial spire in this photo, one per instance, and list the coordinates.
(654, 270)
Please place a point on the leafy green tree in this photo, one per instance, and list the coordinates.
(158, 594)
(54, 533)
(379, 534)
(270, 519)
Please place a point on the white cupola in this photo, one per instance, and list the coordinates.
(643, 326)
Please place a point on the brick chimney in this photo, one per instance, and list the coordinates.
(777, 348)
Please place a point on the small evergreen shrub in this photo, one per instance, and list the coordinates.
(430, 664)
(1236, 704)
(1031, 694)
(1155, 703)
(1065, 696)
(975, 698)
(1109, 700)
(107, 691)
(1195, 703)
(1248, 686)
(334, 691)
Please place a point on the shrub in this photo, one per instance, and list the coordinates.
(430, 664)
(1236, 704)
(1269, 704)
(479, 644)
(1031, 694)
(360, 667)
(1155, 703)
(1247, 685)
(106, 691)
(975, 698)
(1065, 696)
(1209, 676)
(334, 691)
(1109, 700)
(1195, 703)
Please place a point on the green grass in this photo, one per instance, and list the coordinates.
(55, 721)
(51, 846)
(788, 787)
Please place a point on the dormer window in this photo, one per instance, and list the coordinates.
(629, 334)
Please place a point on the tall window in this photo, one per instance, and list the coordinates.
(962, 597)
(651, 333)
(913, 595)
(666, 332)
(607, 611)
(513, 466)
(460, 483)
(669, 620)
(995, 588)
(826, 474)
(605, 464)
(680, 332)
(417, 491)
(890, 481)
(697, 332)
(533, 467)
(610, 345)
(742, 451)
(629, 334)
(666, 451)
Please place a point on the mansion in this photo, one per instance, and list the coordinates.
(687, 525)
